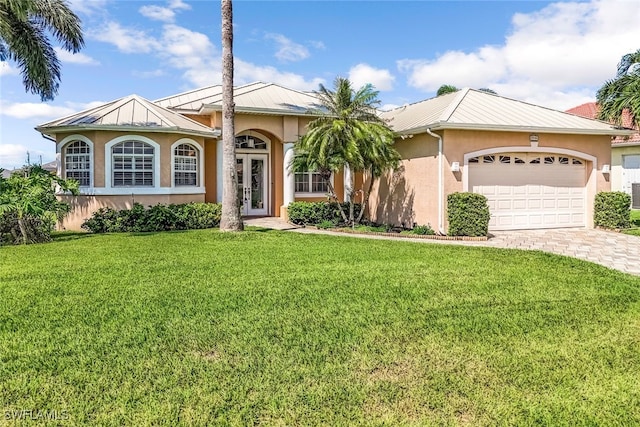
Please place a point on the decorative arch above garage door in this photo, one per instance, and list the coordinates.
(531, 190)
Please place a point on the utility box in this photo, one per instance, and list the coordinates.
(635, 195)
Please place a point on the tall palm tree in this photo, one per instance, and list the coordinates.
(620, 96)
(24, 29)
(347, 133)
(230, 219)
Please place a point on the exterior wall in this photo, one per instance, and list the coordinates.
(411, 194)
(84, 206)
(101, 138)
(210, 176)
(616, 164)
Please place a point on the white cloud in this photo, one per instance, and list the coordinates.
(148, 74)
(557, 56)
(88, 7)
(195, 54)
(316, 44)
(13, 156)
(74, 58)
(6, 69)
(178, 4)
(42, 111)
(127, 40)
(28, 110)
(363, 74)
(247, 72)
(288, 50)
(158, 13)
(388, 107)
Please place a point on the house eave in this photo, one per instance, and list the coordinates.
(210, 108)
(524, 129)
(174, 129)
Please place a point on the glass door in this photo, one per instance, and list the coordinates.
(252, 184)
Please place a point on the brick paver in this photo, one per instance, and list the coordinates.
(614, 250)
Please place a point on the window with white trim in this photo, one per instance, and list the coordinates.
(310, 182)
(132, 164)
(77, 162)
(185, 166)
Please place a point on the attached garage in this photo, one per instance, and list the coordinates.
(531, 190)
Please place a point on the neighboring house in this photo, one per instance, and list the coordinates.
(50, 166)
(538, 167)
(625, 155)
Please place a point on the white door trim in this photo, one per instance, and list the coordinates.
(246, 164)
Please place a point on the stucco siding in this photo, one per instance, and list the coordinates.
(410, 194)
(617, 154)
(84, 206)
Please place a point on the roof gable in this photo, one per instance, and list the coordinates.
(129, 112)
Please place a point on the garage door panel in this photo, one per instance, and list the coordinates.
(532, 195)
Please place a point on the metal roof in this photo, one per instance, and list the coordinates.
(478, 110)
(130, 112)
(258, 97)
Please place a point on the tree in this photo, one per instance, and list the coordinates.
(444, 89)
(29, 208)
(230, 219)
(621, 95)
(24, 29)
(348, 132)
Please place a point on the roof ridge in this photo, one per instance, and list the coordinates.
(453, 106)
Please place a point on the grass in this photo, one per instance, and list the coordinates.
(273, 328)
(635, 222)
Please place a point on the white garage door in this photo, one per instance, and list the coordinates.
(531, 190)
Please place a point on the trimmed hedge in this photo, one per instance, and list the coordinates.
(160, 217)
(612, 210)
(312, 213)
(468, 214)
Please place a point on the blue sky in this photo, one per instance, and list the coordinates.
(550, 53)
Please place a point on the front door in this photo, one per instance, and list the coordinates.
(252, 183)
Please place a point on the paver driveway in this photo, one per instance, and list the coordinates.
(614, 250)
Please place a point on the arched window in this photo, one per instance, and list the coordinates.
(185, 165)
(249, 142)
(77, 162)
(133, 164)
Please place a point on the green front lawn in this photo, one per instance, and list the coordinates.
(276, 328)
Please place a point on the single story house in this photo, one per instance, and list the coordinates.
(625, 155)
(539, 167)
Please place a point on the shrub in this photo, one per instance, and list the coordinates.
(156, 218)
(468, 214)
(612, 210)
(312, 213)
(423, 230)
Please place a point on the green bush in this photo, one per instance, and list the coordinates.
(156, 218)
(422, 230)
(612, 210)
(312, 213)
(468, 214)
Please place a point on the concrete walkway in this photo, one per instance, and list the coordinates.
(614, 250)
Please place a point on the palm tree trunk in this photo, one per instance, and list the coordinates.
(23, 230)
(230, 219)
(335, 197)
(365, 199)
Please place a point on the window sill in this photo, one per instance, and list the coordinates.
(310, 195)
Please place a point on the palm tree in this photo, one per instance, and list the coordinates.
(444, 89)
(347, 133)
(230, 219)
(621, 95)
(24, 29)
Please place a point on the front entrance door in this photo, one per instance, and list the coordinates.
(252, 183)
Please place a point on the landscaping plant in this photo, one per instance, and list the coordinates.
(612, 209)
